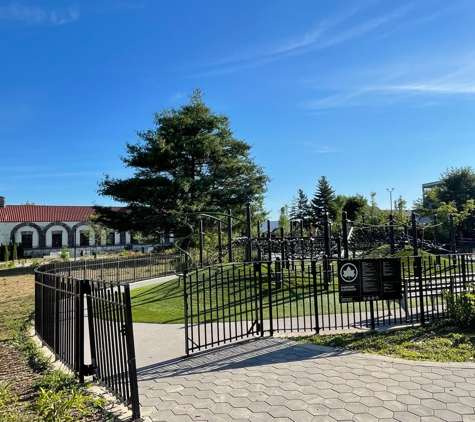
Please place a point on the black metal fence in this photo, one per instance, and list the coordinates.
(233, 301)
(119, 270)
(83, 314)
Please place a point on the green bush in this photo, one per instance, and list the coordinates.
(5, 253)
(461, 308)
(64, 253)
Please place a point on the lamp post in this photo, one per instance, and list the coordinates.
(391, 198)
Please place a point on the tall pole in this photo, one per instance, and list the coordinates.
(391, 198)
(248, 229)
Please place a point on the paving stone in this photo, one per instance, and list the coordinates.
(356, 408)
(448, 415)
(301, 416)
(406, 417)
(341, 414)
(258, 406)
(279, 411)
(420, 410)
(239, 384)
(380, 412)
(395, 406)
(461, 409)
(433, 404)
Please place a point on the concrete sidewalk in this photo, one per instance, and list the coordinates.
(267, 379)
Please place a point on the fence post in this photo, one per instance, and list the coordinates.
(248, 229)
(230, 237)
(315, 295)
(134, 391)
(269, 240)
(436, 230)
(56, 315)
(185, 309)
(414, 234)
(344, 225)
(418, 275)
(201, 243)
(79, 329)
(464, 272)
(220, 244)
(452, 234)
(391, 234)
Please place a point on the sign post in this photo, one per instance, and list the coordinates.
(368, 280)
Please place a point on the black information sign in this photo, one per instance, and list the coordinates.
(369, 279)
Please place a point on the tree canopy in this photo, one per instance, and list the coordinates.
(189, 162)
(455, 195)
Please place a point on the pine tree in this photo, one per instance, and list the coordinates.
(323, 201)
(300, 209)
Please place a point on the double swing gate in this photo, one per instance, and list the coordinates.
(87, 324)
(228, 302)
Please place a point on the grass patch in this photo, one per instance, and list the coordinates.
(29, 388)
(17, 286)
(438, 342)
(161, 303)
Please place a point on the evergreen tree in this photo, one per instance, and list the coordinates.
(190, 162)
(323, 201)
(6, 254)
(300, 209)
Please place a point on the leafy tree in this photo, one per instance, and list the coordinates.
(189, 162)
(375, 215)
(400, 205)
(99, 230)
(355, 206)
(300, 209)
(284, 221)
(455, 195)
(323, 201)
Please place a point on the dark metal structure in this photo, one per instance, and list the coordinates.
(83, 314)
(228, 302)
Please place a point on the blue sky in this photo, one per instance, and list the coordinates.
(371, 94)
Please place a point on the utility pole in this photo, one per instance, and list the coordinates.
(391, 198)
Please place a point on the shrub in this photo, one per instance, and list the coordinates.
(461, 308)
(64, 253)
(5, 253)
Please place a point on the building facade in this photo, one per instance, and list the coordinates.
(42, 229)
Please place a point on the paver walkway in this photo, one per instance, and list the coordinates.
(273, 379)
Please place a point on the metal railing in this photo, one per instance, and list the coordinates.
(83, 309)
(233, 301)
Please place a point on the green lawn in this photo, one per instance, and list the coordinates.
(231, 294)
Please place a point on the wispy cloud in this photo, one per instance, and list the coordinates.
(325, 34)
(399, 86)
(36, 16)
(318, 149)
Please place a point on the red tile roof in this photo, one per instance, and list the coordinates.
(44, 213)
